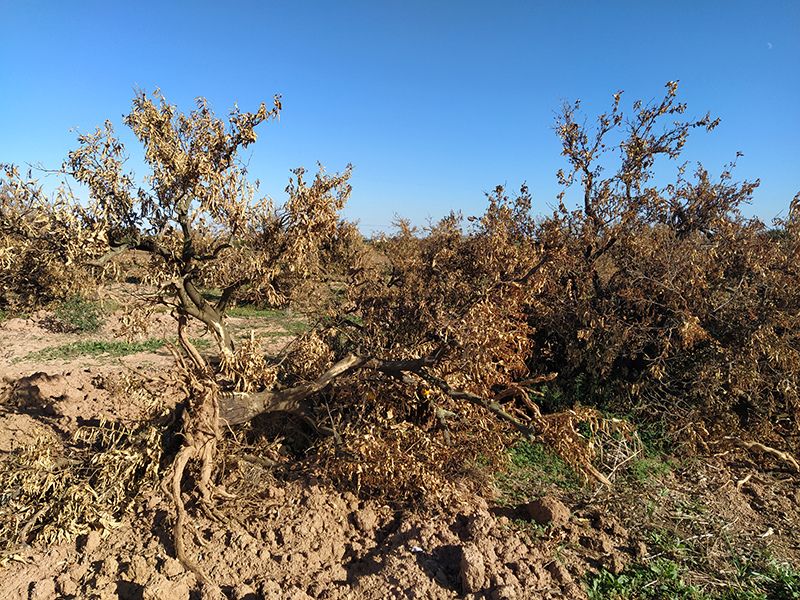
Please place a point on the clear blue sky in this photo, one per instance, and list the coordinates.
(433, 102)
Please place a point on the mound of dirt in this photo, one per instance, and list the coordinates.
(310, 542)
(66, 396)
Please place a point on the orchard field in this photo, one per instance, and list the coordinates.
(210, 394)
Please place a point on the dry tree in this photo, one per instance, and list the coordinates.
(666, 300)
(196, 207)
(435, 343)
(446, 313)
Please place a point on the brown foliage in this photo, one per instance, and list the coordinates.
(44, 243)
(432, 345)
(285, 253)
(665, 299)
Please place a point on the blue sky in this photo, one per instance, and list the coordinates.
(433, 102)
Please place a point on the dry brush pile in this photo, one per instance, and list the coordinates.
(432, 348)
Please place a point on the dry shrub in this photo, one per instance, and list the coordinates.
(662, 300)
(462, 293)
(58, 487)
(450, 307)
(44, 243)
(390, 444)
(595, 445)
(307, 357)
(247, 368)
(294, 253)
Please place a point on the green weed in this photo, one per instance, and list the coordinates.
(659, 580)
(664, 579)
(533, 468)
(648, 468)
(77, 315)
(764, 579)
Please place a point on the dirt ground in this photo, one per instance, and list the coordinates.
(297, 539)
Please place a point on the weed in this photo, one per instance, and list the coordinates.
(77, 315)
(764, 579)
(6, 314)
(658, 580)
(533, 467)
(211, 294)
(663, 578)
(647, 468)
(654, 437)
(552, 399)
(110, 305)
(534, 530)
(667, 542)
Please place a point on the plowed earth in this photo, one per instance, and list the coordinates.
(297, 539)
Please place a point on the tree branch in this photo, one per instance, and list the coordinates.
(115, 251)
(240, 407)
(493, 407)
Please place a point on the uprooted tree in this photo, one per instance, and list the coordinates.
(445, 316)
(197, 207)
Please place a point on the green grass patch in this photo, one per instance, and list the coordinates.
(211, 294)
(95, 348)
(648, 468)
(110, 306)
(77, 315)
(664, 579)
(534, 467)
(258, 313)
(286, 319)
(660, 579)
(295, 327)
(772, 580)
(102, 349)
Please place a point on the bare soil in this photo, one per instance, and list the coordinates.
(297, 539)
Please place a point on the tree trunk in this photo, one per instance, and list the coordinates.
(240, 407)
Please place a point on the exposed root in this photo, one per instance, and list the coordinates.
(200, 436)
(185, 454)
(784, 456)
